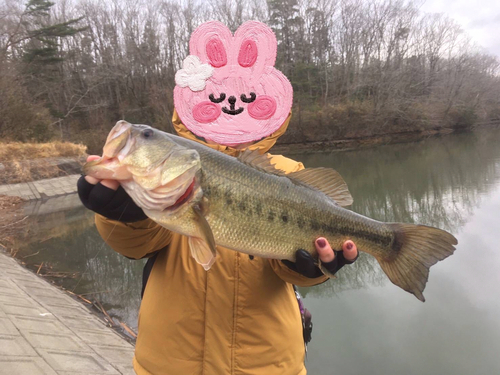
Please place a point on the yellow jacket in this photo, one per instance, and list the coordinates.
(240, 317)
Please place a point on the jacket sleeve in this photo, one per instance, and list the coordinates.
(292, 277)
(133, 240)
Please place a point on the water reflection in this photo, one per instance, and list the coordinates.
(363, 323)
(61, 234)
(438, 182)
(369, 326)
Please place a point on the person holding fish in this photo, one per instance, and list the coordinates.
(206, 308)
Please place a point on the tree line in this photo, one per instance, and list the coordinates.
(71, 69)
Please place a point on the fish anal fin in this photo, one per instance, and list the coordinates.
(203, 248)
(326, 180)
(325, 271)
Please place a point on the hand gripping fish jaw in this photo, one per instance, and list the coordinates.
(156, 172)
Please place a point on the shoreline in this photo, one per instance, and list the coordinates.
(351, 144)
(46, 330)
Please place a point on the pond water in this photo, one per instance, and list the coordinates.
(362, 323)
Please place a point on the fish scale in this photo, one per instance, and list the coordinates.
(247, 205)
(281, 237)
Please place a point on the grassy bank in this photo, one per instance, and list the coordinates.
(16, 151)
(24, 162)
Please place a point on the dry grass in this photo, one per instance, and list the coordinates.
(24, 162)
(27, 151)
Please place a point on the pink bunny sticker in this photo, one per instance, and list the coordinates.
(228, 90)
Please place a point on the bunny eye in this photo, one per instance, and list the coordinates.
(244, 98)
(218, 100)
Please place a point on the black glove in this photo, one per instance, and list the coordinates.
(304, 264)
(113, 204)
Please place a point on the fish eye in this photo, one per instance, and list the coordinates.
(147, 133)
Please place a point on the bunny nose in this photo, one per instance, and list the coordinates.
(231, 100)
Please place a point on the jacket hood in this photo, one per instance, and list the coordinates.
(264, 145)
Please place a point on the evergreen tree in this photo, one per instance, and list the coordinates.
(285, 20)
(43, 43)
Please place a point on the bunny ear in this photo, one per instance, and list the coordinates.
(257, 45)
(210, 42)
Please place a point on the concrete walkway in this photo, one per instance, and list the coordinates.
(42, 189)
(43, 331)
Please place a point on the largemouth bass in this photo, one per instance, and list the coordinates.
(248, 205)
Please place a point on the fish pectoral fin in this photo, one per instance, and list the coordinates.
(203, 248)
(326, 180)
(201, 252)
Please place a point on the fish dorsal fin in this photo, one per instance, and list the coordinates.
(259, 161)
(326, 180)
(203, 248)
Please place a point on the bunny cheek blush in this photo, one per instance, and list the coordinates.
(206, 112)
(262, 108)
(228, 90)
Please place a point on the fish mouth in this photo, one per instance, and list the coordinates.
(232, 112)
(186, 196)
(118, 145)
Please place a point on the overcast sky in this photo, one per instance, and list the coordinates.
(480, 19)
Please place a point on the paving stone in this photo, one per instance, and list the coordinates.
(115, 355)
(83, 322)
(27, 284)
(62, 300)
(15, 273)
(102, 338)
(6, 327)
(7, 260)
(15, 345)
(55, 341)
(33, 190)
(67, 310)
(12, 308)
(7, 287)
(24, 366)
(38, 324)
(43, 331)
(87, 363)
(17, 300)
(45, 290)
(126, 370)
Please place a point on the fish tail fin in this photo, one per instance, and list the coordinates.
(414, 250)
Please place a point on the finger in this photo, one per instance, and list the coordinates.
(100, 197)
(92, 157)
(111, 184)
(305, 264)
(91, 180)
(350, 251)
(325, 252)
